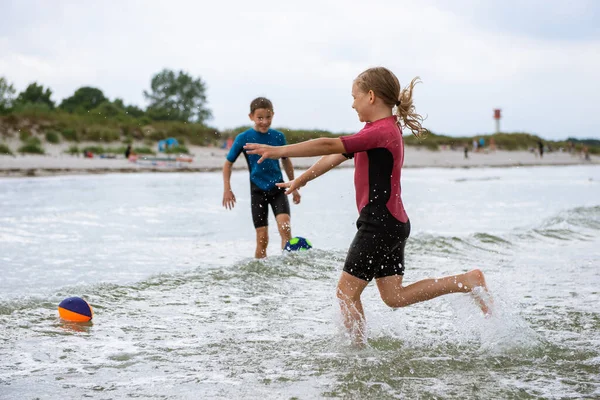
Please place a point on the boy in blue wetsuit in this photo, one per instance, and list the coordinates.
(263, 177)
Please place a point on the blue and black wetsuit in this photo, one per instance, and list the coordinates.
(263, 176)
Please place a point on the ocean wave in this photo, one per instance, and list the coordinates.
(580, 223)
(314, 264)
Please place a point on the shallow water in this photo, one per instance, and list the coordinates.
(183, 311)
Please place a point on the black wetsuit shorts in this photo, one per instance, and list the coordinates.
(377, 250)
(260, 201)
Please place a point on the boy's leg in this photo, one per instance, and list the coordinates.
(281, 208)
(285, 229)
(349, 289)
(262, 241)
(395, 295)
(260, 217)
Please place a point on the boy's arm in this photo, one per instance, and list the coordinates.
(288, 168)
(228, 196)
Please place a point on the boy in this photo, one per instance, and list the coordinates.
(263, 177)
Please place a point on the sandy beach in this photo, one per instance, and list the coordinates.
(56, 161)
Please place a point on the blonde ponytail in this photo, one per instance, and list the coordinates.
(406, 113)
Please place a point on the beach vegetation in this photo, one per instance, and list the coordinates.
(181, 149)
(97, 133)
(101, 150)
(24, 135)
(73, 150)
(52, 137)
(5, 150)
(178, 109)
(33, 145)
(35, 94)
(143, 150)
(70, 135)
(32, 109)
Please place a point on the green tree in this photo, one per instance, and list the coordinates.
(135, 111)
(7, 92)
(35, 94)
(119, 103)
(84, 99)
(177, 97)
(132, 111)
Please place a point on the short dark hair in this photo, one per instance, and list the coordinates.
(260, 102)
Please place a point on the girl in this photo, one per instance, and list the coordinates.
(377, 251)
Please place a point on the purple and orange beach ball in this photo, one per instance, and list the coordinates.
(75, 309)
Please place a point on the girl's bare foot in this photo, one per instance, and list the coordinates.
(475, 284)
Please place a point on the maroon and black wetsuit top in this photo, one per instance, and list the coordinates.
(383, 226)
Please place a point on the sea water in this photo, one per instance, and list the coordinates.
(183, 311)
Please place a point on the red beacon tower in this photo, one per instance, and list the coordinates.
(497, 119)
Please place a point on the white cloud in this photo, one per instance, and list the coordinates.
(304, 57)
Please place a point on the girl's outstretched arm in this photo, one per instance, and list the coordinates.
(324, 164)
(310, 148)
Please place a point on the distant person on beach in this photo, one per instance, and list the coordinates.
(263, 177)
(377, 251)
(586, 153)
(466, 149)
(541, 148)
(128, 152)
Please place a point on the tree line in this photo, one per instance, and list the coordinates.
(173, 96)
(177, 107)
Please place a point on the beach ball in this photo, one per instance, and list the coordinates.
(298, 243)
(75, 309)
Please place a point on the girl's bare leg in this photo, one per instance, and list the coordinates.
(395, 295)
(349, 290)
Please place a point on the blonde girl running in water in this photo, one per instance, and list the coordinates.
(377, 251)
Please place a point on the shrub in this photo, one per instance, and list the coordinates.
(5, 150)
(107, 109)
(157, 135)
(93, 149)
(73, 150)
(11, 120)
(70, 135)
(32, 147)
(102, 134)
(177, 150)
(137, 133)
(143, 150)
(24, 135)
(52, 137)
(33, 110)
(114, 150)
(33, 140)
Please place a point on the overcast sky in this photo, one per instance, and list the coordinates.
(537, 60)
